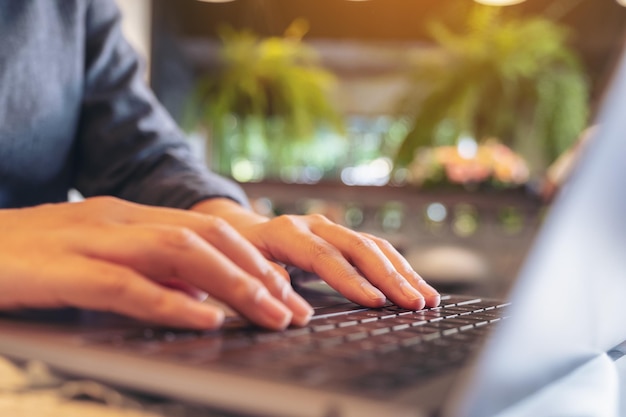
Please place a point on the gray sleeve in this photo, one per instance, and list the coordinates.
(128, 146)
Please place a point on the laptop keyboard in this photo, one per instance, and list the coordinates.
(372, 351)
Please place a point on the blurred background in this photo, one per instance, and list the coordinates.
(444, 126)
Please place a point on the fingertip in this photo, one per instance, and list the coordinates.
(419, 304)
(431, 295)
(373, 297)
(203, 316)
(433, 300)
(274, 314)
(300, 321)
(413, 299)
(302, 311)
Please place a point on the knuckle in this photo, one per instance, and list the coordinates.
(353, 279)
(107, 207)
(113, 287)
(247, 290)
(362, 243)
(277, 285)
(159, 302)
(177, 238)
(104, 203)
(318, 218)
(218, 227)
(286, 221)
(322, 252)
(384, 244)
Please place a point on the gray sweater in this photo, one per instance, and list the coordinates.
(75, 113)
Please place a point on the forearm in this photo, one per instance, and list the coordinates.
(127, 145)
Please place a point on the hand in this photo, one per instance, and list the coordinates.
(364, 268)
(107, 254)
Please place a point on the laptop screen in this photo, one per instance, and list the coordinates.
(568, 306)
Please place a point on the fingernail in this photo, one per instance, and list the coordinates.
(432, 295)
(302, 311)
(373, 293)
(433, 300)
(205, 316)
(279, 315)
(413, 295)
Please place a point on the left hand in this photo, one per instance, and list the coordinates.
(364, 268)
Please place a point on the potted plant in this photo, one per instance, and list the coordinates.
(507, 79)
(269, 97)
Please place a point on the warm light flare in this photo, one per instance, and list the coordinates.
(499, 2)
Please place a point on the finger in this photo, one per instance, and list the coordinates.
(237, 248)
(98, 285)
(163, 252)
(186, 288)
(431, 295)
(282, 271)
(224, 237)
(345, 247)
(288, 241)
(372, 262)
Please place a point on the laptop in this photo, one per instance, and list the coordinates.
(553, 348)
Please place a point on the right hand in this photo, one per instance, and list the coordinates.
(108, 254)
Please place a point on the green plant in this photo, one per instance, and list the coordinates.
(268, 97)
(509, 78)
